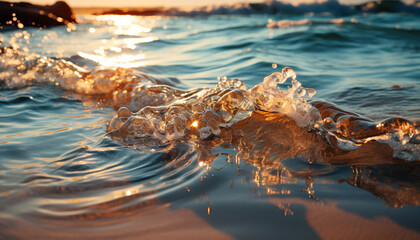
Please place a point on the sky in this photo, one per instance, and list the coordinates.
(154, 3)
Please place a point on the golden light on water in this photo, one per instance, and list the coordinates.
(139, 40)
(125, 24)
(194, 124)
(119, 20)
(133, 31)
(133, 178)
(124, 60)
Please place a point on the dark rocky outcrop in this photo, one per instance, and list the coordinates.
(23, 14)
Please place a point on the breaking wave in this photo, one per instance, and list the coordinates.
(332, 7)
(152, 111)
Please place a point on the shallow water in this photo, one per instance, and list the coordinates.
(74, 164)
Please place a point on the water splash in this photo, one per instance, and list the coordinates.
(151, 110)
(118, 86)
(204, 113)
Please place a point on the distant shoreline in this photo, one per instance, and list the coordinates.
(104, 10)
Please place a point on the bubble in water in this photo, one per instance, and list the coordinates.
(124, 113)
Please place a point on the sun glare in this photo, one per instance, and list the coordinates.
(124, 60)
(125, 24)
(132, 31)
(194, 124)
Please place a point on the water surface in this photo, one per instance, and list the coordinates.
(81, 156)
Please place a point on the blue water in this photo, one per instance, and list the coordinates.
(64, 175)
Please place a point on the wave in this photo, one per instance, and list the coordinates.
(269, 7)
(153, 110)
(205, 113)
(333, 7)
(290, 23)
(286, 23)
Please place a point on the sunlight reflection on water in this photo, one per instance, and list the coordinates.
(62, 174)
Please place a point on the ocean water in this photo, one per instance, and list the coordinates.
(236, 126)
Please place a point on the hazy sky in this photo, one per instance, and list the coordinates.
(149, 3)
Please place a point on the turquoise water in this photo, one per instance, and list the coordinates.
(75, 164)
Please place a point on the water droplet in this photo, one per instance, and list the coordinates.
(209, 209)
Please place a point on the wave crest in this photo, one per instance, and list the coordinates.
(153, 110)
(206, 112)
(332, 7)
